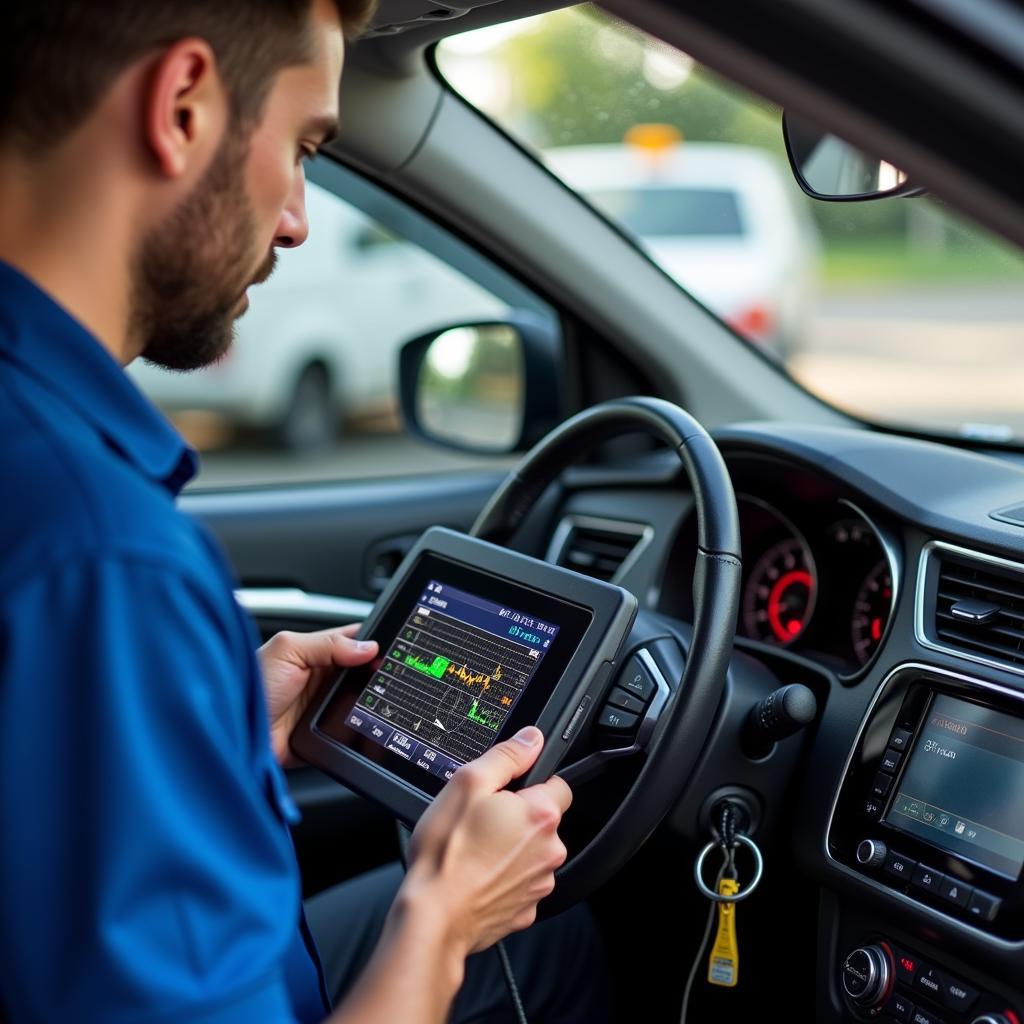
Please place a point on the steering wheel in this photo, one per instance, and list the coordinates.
(672, 733)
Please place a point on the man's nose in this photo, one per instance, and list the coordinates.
(292, 227)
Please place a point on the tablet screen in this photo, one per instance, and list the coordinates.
(466, 659)
(450, 677)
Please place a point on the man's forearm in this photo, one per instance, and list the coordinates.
(415, 971)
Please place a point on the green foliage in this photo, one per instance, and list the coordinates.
(582, 77)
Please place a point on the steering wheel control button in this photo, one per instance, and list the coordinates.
(871, 853)
(954, 891)
(927, 879)
(899, 1007)
(637, 680)
(622, 699)
(959, 997)
(899, 866)
(982, 906)
(615, 720)
(900, 739)
(866, 975)
(881, 786)
(931, 983)
(891, 761)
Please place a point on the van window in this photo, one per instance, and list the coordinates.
(672, 212)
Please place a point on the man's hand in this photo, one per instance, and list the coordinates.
(294, 665)
(484, 857)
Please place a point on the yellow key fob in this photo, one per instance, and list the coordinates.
(724, 964)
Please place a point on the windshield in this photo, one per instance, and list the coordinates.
(895, 310)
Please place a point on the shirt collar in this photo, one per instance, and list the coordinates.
(47, 342)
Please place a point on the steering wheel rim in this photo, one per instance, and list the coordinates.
(686, 716)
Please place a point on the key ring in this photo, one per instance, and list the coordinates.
(698, 871)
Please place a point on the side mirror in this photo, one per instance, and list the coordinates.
(828, 168)
(483, 387)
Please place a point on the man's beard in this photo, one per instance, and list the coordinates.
(194, 267)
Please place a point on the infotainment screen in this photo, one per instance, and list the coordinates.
(455, 670)
(963, 786)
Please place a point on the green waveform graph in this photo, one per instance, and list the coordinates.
(474, 715)
(436, 668)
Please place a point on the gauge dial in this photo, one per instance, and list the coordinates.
(871, 609)
(780, 594)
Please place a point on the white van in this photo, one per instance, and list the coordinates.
(726, 221)
(321, 336)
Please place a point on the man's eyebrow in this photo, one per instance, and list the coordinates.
(324, 127)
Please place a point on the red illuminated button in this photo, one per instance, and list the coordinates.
(906, 966)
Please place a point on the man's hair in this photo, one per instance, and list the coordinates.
(59, 57)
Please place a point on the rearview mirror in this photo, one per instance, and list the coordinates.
(828, 168)
(484, 387)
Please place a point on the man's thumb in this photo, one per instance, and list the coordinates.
(508, 760)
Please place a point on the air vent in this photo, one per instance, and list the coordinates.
(979, 608)
(602, 548)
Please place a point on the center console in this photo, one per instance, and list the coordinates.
(930, 813)
(932, 805)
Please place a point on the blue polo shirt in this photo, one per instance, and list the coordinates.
(146, 869)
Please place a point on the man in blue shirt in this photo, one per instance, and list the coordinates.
(150, 162)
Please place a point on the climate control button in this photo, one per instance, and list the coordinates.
(867, 975)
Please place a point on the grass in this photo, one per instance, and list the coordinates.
(890, 262)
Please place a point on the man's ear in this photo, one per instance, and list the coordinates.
(185, 108)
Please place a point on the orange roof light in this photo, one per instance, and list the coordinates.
(653, 137)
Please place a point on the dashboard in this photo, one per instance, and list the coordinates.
(887, 575)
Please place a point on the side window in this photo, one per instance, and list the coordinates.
(308, 390)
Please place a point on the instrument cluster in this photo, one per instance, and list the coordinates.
(817, 580)
(820, 567)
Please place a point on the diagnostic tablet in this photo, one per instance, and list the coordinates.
(476, 641)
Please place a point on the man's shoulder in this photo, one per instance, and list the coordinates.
(72, 495)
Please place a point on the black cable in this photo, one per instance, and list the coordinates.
(506, 964)
(510, 981)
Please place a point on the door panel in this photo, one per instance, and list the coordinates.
(321, 539)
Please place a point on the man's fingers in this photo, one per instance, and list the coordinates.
(555, 789)
(504, 762)
(326, 647)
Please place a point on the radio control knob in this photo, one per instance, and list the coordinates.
(991, 1018)
(867, 975)
(871, 853)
